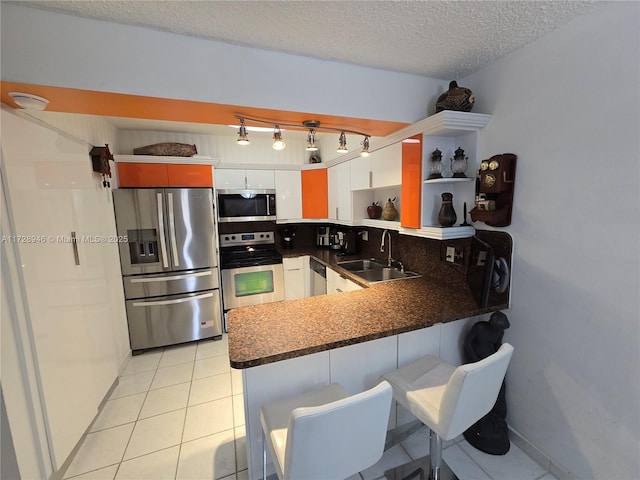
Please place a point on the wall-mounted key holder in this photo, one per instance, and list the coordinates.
(494, 190)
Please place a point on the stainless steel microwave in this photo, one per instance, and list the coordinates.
(246, 205)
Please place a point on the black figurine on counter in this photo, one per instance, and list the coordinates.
(490, 433)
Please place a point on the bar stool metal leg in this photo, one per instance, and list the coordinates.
(264, 457)
(435, 450)
(430, 467)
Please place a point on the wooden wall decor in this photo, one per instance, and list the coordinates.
(100, 157)
(494, 190)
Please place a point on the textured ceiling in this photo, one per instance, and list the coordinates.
(439, 39)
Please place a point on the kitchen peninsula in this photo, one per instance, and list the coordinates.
(351, 338)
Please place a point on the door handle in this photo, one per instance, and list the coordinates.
(172, 231)
(74, 243)
(172, 302)
(163, 244)
(172, 277)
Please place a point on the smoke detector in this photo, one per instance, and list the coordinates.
(29, 101)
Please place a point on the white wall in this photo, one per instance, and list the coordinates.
(55, 49)
(568, 106)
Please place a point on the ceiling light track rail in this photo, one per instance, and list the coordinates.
(311, 125)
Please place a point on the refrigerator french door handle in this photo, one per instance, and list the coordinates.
(172, 302)
(172, 231)
(172, 277)
(163, 243)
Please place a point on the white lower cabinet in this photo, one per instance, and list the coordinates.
(296, 277)
(336, 283)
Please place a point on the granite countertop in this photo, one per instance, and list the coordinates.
(277, 331)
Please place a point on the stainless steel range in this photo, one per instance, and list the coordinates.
(251, 269)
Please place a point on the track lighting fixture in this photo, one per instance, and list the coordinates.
(365, 147)
(278, 143)
(243, 138)
(312, 125)
(311, 141)
(342, 143)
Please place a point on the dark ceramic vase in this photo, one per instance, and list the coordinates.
(456, 98)
(447, 215)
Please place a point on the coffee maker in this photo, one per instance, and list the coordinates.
(335, 239)
(322, 236)
(287, 233)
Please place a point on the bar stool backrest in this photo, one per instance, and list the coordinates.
(338, 439)
(471, 392)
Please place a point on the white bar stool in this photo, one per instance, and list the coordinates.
(326, 434)
(448, 400)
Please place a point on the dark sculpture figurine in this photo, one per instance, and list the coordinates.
(456, 98)
(490, 433)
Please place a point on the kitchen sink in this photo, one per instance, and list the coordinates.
(384, 274)
(373, 271)
(360, 265)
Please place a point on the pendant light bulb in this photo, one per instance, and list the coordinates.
(243, 138)
(365, 147)
(311, 141)
(342, 143)
(278, 143)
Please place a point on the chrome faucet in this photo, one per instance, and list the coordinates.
(384, 234)
(390, 261)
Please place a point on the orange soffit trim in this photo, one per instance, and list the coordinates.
(90, 102)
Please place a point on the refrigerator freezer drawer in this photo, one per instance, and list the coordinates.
(156, 285)
(160, 321)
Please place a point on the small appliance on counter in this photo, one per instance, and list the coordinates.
(335, 239)
(349, 244)
(322, 236)
(287, 233)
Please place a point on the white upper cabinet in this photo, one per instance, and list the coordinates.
(382, 169)
(232, 179)
(288, 194)
(339, 179)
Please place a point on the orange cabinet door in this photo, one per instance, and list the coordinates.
(411, 183)
(315, 194)
(142, 175)
(189, 175)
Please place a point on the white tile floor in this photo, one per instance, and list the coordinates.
(178, 414)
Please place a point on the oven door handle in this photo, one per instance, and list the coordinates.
(163, 244)
(172, 302)
(172, 277)
(172, 231)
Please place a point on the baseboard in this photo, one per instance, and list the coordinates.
(535, 454)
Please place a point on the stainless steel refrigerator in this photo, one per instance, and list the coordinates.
(169, 267)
